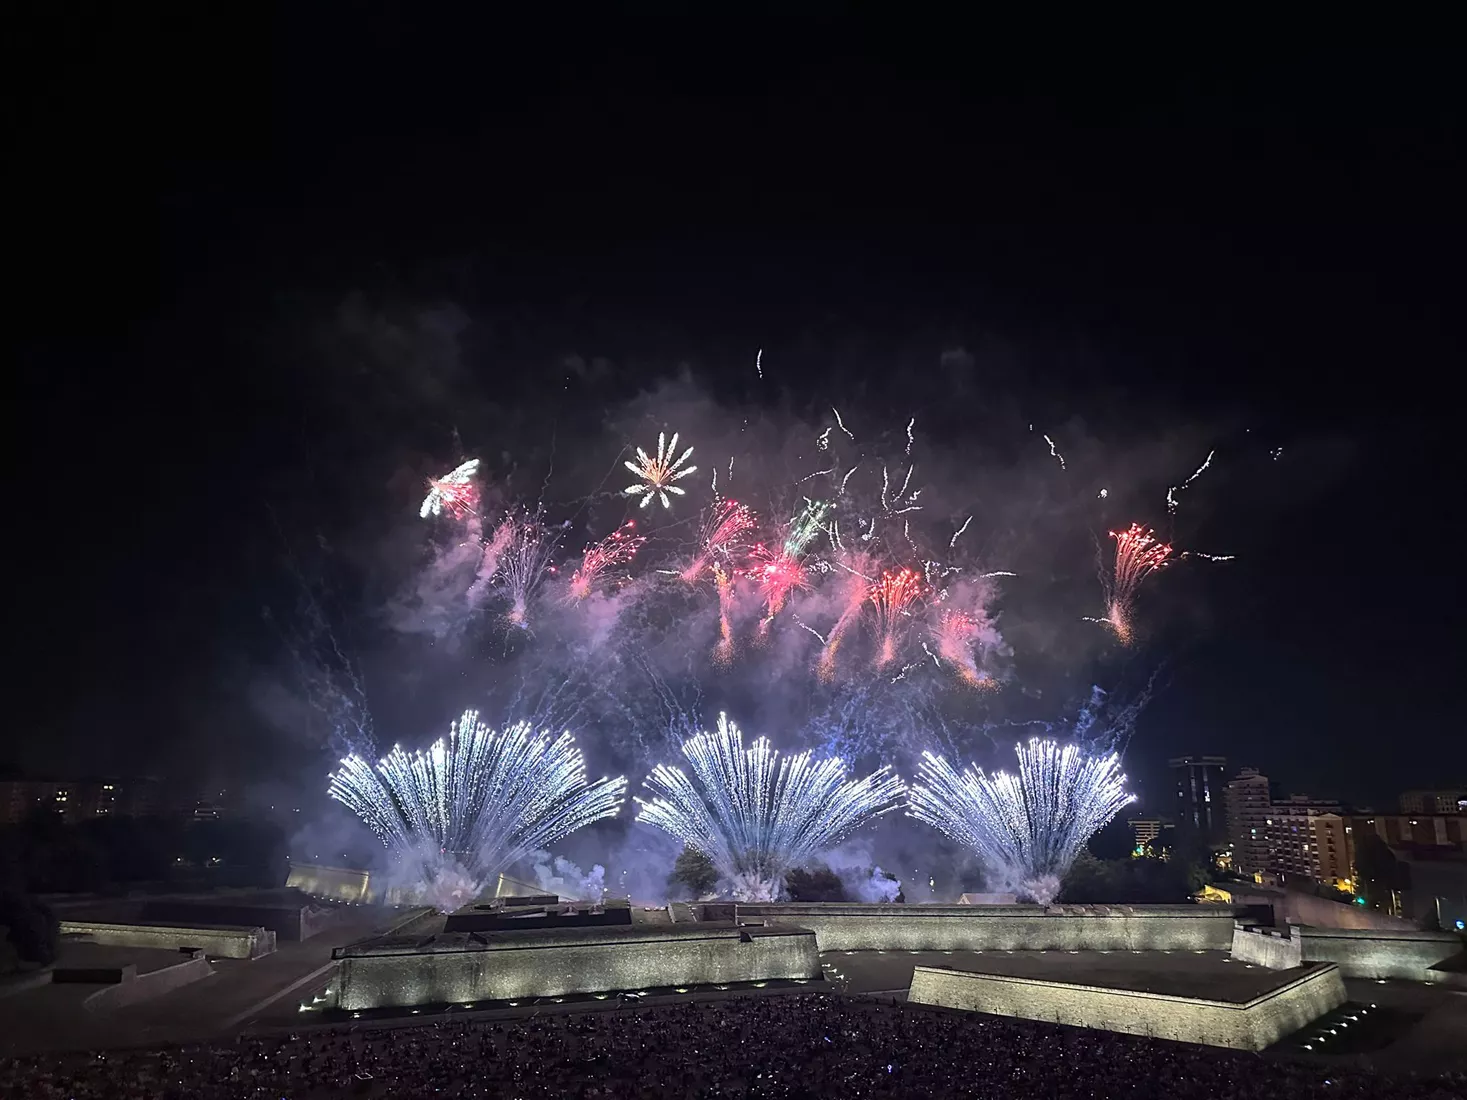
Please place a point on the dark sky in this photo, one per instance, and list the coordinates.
(1273, 243)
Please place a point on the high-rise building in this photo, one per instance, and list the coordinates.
(1200, 782)
(1144, 830)
(1247, 800)
(1434, 802)
(1332, 852)
(1293, 846)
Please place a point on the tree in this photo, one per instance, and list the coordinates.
(814, 884)
(695, 871)
(1379, 873)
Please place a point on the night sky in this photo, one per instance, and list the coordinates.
(225, 231)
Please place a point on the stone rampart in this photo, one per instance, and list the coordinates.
(1274, 948)
(1244, 1025)
(1376, 953)
(458, 968)
(222, 941)
(854, 927)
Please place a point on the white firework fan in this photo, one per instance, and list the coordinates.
(658, 474)
(454, 491)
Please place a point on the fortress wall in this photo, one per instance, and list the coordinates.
(520, 964)
(223, 942)
(1248, 1025)
(1377, 953)
(847, 927)
(1267, 947)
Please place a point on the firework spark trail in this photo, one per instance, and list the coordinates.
(855, 585)
(955, 635)
(759, 363)
(524, 563)
(910, 425)
(757, 813)
(1025, 829)
(723, 652)
(1171, 494)
(473, 804)
(842, 424)
(959, 532)
(725, 526)
(489, 561)
(602, 557)
(658, 474)
(455, 491)
(1138, 554)
(891, 597)
(1055, 453)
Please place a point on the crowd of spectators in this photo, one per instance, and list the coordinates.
(786, 1046)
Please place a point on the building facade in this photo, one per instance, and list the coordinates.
(78, 801)
(1434, 802)
(1294, 847)
(1247, 799)
(1200, 782)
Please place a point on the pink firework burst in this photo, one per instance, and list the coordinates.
(777, 574)
(724, 530)
(892, 597)
(956, 635)
(1139, 553)
(856, 569)
(602, 558)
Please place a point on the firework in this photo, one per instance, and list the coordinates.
(855, 585)
(1139, 553)
(724, 529)
(779, 571)
(955, 634)
(475, 803)
(658, 474)
(1026, 829)
(723, 652)
(757, 814)
(602, 557)
(523, 563)
(454, 491)
(776, 574)
(891, 597)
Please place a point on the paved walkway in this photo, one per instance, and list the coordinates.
(53, 1017)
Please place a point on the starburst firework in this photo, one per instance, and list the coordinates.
(523, 563)
(724, 528)
(1139, 553)
(602, 558)
(891, 597)
(758, 814)
(658, 474)
(454, 492)
(1026, 829)
(474, 803)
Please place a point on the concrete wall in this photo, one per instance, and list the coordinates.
(1374, 953)
(1274, 948)
(340, 883)
(849, 927)
(1248, 1025)
(135, 987)
(460, 968)
(222, 942)
(1294, 907)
